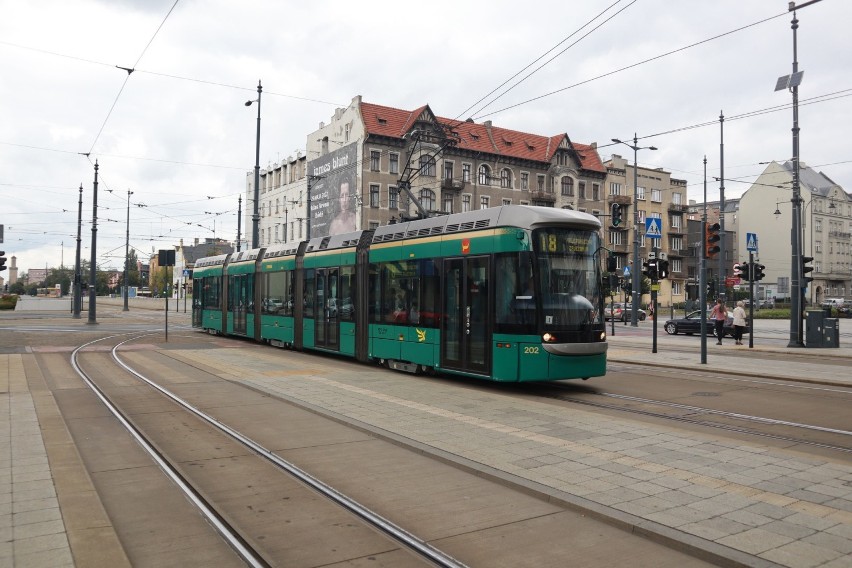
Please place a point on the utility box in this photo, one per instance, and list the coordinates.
(831, 336)
(815, 323)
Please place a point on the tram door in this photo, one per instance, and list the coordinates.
(242, 297)
(197, 302)
(327, 297)
(466, 336)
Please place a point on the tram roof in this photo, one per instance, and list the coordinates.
(524, 216)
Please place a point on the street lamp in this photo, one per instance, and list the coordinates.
(636, 289)
(255, 218)
(127, 254)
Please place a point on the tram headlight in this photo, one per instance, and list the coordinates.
(603, 336)
(548, 338)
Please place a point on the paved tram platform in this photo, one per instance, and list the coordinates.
(756, 505)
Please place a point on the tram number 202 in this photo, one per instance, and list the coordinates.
(531, 350)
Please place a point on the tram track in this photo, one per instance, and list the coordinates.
(703, 416)
(242, 545)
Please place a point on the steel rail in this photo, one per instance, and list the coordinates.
(233, 539)
(386, 526)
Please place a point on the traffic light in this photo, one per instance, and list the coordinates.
(663, 269)
(757, 272)
(805, 269)
(611, 265)
(711, 237)
(742, 270)
(615, 214)
(711, 289)
(649, 268)
(2, 260)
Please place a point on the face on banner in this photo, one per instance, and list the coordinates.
(333, 192)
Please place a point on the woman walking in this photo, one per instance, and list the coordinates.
(739, 322)
(718, 315)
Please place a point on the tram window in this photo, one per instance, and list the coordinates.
(429, 283)
(375, 293)
(347, 293)
(211, 293)
(277, 293)
(515, 296)
(308, 291)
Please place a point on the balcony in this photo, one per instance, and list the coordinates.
(621, 199)
(452, 185)
(539, 195)
(677, 230)
(677, 208)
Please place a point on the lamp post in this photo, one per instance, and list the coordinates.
(93, 268)
(255, 217)
(636, 289)
(78, 277)
(127, 255)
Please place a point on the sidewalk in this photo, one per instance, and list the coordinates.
(737, 360)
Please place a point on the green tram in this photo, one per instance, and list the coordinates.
(510, 294)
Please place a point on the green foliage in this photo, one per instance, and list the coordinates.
(8, 301)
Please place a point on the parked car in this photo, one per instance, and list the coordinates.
(691, 324)
(618, 312)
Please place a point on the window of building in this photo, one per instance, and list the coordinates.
(614, 188)
(448, 204)
(375, 197)
(505, 178)
(818, 246)
(656, 195)
(677, 243)
(581, 189)
(276, 209)
(640, 193)
(393, 198)
(540, 181)
(373, 225)
(676, 288)
(507, 201)
(347, 129)
(568, 186)
(616, 237)
(677, 221)
(483, 202)
(448, 170)
(524, 202)
(427, 166)
(375, 156)
(596, 192)
(818, 225)
(676, 198)
(677, 265)
(484, 175)
(427, 199)
(466, 173)
(394, 163)
(642, 216)
(465, 202)
(525, 181)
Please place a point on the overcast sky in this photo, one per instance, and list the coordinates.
(176, 131)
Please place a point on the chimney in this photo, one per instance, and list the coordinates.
(196, 241)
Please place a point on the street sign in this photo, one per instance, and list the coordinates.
(626, 271)
(653, 228)
(751, 242)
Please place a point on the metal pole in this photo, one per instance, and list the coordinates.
(255, 218)
(127, 255)
(795, 237)
(239, 219)
(93, 274)
(78, 277)
(308, 200)
(637, 267)
(751, 298)
(721, 275)
(654, 282)
(702, 274)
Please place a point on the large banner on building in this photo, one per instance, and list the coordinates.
(333, 192)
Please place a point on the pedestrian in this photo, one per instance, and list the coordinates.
(739, 322)
(718, 315)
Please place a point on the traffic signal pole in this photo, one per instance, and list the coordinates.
(751, 299)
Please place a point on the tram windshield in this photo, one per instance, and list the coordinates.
(569, 277)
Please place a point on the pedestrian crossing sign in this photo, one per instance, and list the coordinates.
(751, 242)
(653, 228)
